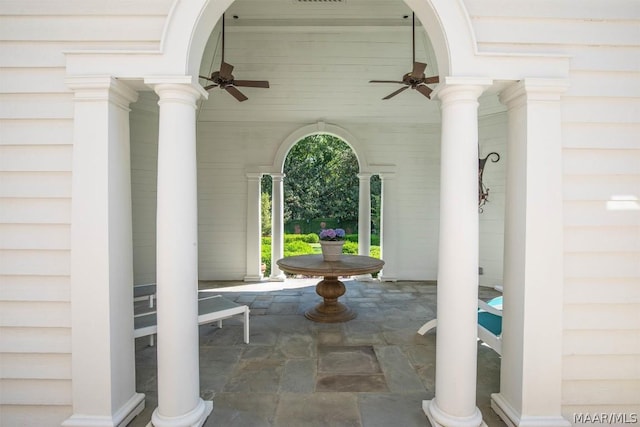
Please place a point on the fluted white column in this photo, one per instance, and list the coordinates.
(388, 229)
(254, 224)
(103, 362)
(179, 402)
(530, 381)
(456, 349)
(277, 225)
(364, 214)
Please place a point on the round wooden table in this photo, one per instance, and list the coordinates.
(330, 288)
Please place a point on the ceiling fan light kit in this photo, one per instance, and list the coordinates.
(225, 80)
(415, 79)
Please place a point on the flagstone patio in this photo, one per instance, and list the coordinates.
(372, 371)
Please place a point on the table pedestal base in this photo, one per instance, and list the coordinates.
(330, 310)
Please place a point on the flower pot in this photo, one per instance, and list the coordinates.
(331, 249)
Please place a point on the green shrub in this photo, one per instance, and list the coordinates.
(375, 252)
(350, 248)
(266, 256)
(266, 240)
(375, 240)
(297, 248)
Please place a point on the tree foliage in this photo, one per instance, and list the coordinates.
(321, 180)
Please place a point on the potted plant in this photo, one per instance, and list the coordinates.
(331, 241)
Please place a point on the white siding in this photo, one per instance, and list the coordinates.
(36, 137)
(601, 157)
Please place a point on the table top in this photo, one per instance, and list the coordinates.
(315, 265)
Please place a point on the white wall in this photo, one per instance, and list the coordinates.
(601, 157)
(36, 137)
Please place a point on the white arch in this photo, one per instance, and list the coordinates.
(316, 128)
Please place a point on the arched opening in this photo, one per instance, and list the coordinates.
(185, 39)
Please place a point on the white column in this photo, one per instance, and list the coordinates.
(388, 230)
(179, 402)
(254, 226)
(364, 214)
(530, 381)
(456, 349)
(103, 362)
(277, 226)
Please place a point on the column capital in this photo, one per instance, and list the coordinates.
(277, 176)
(387, 175)
(176, 89)
(254, 175)
(364, 176)
(101, 88)
(535, 90)
(461, 88)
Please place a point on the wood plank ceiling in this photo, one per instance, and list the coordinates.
(319, 57)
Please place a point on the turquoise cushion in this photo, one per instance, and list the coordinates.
(490, 321)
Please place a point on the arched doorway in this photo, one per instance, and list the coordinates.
(171, 73)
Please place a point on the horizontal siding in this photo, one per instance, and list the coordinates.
(35, 392)
(35, 158)
(36, 132)
(30, 210)
(35, 262)
(601, 316)
(35, 288)
(35, 314)
(591, 290)
(552, 9)
(35, 366)
(86, 8)
(30, 236)
(35, 340)
(612, 392)
(34, 415)
(71, 28)
(598, 367)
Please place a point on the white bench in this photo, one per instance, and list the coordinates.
(210, 309)
(143, 292)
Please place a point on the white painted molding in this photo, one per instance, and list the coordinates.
(510, 416)
(125, 414)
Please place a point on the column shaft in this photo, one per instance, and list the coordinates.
(254, 223)
(456, 351)
(179, 400)
(388, 221)
(103, 363)
(530, 383)
(277, 225)
(364, 214)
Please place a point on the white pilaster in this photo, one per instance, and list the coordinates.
(388, 230)
(103, 363)
(364, 214)
(277, 226)
(179, 402)
(254, 224)
(456, 349)
(530, 384)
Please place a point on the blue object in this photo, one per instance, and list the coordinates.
(490, 321)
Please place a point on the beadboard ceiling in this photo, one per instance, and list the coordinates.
(319, 57)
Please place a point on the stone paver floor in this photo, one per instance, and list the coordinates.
(372, 371)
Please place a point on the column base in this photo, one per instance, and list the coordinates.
(252, 278)
(122, 417)
(363, 278)
(437, 418)
(277, 278)
(384, 278)
(195, 418)
(511, 418)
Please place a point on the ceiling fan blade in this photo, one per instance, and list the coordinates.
(210, 87)
(425, 90)
(236, 93)
(418, 69)
(434, 79)
(391, 95)
(385, 81)
(225, 70)
(251, 83)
